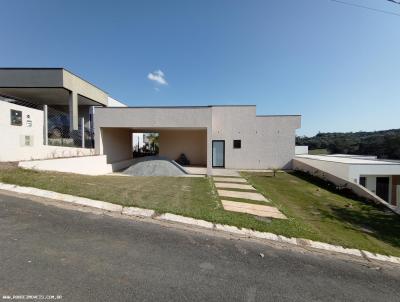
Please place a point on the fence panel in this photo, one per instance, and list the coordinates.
(59, 133)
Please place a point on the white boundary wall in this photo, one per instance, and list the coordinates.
(301, 150)
(12, 138)
(88, 165)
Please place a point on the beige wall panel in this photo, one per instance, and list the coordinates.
(117, 144)
(193, 143)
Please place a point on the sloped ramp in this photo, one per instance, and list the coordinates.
(154, 166)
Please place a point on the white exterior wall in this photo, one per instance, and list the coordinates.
(376, 170)
(12, 137)
(230, 123)
(88, 165)
(370, 183)
(276, 138)
(267, 141)
(114, 103)
(352, 171)
(337, 169)
(301, 150)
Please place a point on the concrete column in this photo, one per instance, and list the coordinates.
(45, 126)
(209, 151)
(83, 131)
(73, 110)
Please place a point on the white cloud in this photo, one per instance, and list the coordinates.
(158, 77)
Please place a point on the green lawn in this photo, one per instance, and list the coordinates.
(314, 211)
(329, 215)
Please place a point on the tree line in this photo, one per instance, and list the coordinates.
(384, 144)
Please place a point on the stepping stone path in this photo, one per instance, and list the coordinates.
(254, 209)
(234, 186)
(230, 179)
(223, 184)
(244, 195)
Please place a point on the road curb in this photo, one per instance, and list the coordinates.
(139, 212)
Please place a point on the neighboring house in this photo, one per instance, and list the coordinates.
(56, 112)
(381, 177)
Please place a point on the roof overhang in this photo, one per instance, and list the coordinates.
(49, 86)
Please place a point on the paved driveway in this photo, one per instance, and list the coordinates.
(90, 257)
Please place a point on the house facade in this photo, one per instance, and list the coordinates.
(232, 137)
(51, 112)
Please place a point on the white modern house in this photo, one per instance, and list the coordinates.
(51, 113)
(380, 177)
(232, 137)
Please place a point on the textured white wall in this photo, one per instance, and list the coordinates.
(336, 169)
(301, 150)
(11, 137)
(267, 141)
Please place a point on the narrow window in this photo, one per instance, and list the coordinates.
(16, 117)
(237, 144)
(362, 181)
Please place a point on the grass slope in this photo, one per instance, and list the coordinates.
(315, 211)
(330, 215)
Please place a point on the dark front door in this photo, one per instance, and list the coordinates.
(382, 187)
(218, 154)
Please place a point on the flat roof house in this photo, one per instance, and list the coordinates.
(45, 108)
(232, 137)
(380, 177)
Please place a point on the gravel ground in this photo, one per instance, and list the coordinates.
(154, 166)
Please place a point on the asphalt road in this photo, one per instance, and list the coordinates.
(47, 250)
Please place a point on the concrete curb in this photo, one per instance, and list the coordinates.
(139, 212)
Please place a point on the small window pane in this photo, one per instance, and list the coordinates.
(16, 117)
(237, 144)
(362, 181)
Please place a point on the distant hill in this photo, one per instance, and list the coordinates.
(384, 144)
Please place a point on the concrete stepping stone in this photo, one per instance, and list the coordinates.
(224, 172)
(253, 209)
(230, 179)
(244, 195)
(234, 186)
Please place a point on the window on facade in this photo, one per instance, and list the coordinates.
(362, 181)
(16, 117)
(237, 144)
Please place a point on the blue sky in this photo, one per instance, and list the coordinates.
(336, 65)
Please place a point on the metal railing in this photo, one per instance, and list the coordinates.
(57, 130)
(60, 133)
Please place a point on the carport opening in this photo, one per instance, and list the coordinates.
(145, 144)
(187, 147)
